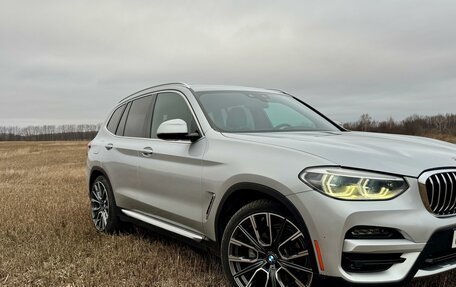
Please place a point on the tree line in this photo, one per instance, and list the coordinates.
(49, 132)
(413, 125)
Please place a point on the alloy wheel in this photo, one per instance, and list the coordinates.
(100, 205)
(267, 249)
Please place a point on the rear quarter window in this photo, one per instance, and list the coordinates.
(115, 118)
(123, 120)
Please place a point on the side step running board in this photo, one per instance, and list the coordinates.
(163, 225)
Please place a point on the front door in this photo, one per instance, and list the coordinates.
(169, 170)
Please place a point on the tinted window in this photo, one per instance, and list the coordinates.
(121, 127)
(135, 125)
(245, 111)
(171, 106)
(114, 121)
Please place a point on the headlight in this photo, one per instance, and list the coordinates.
(349, 184)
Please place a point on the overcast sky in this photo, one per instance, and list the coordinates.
(71, 61)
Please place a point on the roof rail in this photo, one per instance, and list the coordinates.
(277, 90)
(165, 84)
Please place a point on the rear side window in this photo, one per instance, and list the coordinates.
(136, 121)
(115, 118)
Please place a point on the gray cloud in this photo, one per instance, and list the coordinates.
(70, 61)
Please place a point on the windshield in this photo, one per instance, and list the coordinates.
(245, 111)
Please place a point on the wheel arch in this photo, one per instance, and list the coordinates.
(94, 173)
(233, 200)
(242, 193)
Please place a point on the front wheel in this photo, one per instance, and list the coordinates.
(263, 246)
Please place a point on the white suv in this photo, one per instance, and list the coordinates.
(284, 195)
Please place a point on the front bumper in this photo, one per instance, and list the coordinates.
(329, 219)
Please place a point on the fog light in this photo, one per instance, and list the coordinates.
(370, 263)
(373, 232)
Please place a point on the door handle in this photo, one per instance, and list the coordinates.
(147, 151)
(109, 146)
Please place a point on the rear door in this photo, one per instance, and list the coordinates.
(123, 148)
(170, 177)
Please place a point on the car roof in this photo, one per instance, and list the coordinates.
(200, 88)
(205, 88)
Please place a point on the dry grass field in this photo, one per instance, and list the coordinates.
(47, 239)
(46, 236)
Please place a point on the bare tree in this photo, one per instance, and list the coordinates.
(413, 125)
(49, 132)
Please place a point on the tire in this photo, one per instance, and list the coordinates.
(279, 253)
(103, 206)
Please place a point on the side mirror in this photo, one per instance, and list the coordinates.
(175, 129)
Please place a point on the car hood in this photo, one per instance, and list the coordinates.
(398, 154)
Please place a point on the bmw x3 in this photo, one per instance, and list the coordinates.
(284, 195)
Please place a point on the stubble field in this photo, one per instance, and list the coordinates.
(47, 239)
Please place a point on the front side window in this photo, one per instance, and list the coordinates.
(246, 111)
(169, 106)
(135, 125)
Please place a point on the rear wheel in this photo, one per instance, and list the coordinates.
(263, 246)
(103, 206)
